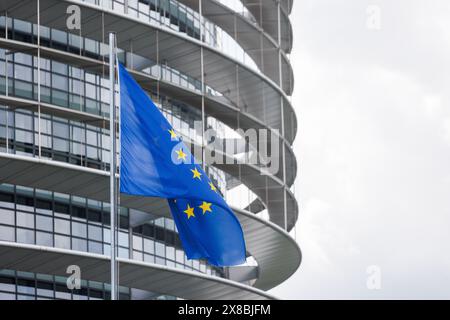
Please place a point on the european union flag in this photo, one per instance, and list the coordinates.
(156, 163)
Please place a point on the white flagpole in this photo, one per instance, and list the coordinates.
(112, 179)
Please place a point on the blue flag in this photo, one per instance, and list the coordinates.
(156, 163)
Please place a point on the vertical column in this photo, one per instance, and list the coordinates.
(283, 150)
(202, 70)
(158, 67)
(6, 83)
(39, 74)
(112, 167)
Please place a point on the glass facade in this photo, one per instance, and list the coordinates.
(64, 221)
(72, 91)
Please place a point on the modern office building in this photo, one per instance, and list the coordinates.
(221, 63)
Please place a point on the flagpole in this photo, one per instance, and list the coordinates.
(112, 178)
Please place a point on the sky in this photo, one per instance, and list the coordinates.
(372, 97)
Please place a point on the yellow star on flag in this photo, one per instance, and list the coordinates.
(206, 206)
(173, 135)
(196, 173)
(213, 187)
(181, 154)
(189, 211)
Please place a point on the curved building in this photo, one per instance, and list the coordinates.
(221, 63)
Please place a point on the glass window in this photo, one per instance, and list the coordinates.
(160, 261)
(149, 258)
(44, 289)
(62, 226)
(180, 256)
(123, 239)
(79, 244)
(60, 129)
(107, 249)
(138, 255)
(23, 121)
(79, 229)
(91, 91)
(123, 253)
(7, 296)
(44, 239)
(77, 134)
(22, 73)
(25, 236)
(25, 220)
(91, 45)
(159, 249)
(196, 264)
(6, 233)
(62, 242)
(57, 66)
(59, 98)
(149, 246)
(44, 223)
(60, 82)
(78, 212)
(95, 247)
(95, 233)
(62, 295)
(6, 216)
(137, 243)
(60, 145)
(21, 57)
(26, 286)
(106, 235)
(170, 252)
(170, 263)
(24, 136)
(94, 215)
(91, 137)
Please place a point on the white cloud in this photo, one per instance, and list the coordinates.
(373, 149)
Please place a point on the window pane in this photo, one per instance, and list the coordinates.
(60, 82)
(137, 243)
(159, 247)
(62, 226)
(62, 242)
(95, 233)
(123, 253)
(44, 239)
(22, 73)
(123, 239)
(6, 233)
(25, 236)
(23, 121)
(95, 247)
(44, 223)
(6, 216)
(79, 229)
(25, 220)
(60, 129)
(79, 244)
(149, 246)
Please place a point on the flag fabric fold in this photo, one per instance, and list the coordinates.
(156, 163)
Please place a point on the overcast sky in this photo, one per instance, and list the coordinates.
(373, 148)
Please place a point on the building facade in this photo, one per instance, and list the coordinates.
(218, 70)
